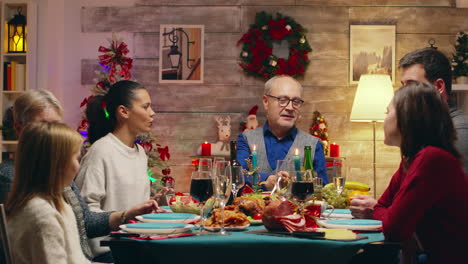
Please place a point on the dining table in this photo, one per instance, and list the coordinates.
(252, 245)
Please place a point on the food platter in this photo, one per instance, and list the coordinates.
(231, 228)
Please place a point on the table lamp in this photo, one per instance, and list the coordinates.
(373, 94)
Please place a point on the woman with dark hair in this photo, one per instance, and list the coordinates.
(113, 173)
(427, 195)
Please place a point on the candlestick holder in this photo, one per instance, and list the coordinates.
(251, 171)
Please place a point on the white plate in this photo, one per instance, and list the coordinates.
(168, 218)
(233, 228)
(157, 228)
(338, 213)
(352, 224)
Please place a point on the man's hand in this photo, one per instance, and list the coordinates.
(362, 206)
(270, 182)
(273, 179)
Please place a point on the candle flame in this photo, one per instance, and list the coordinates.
(206, 142)
(296, 152)
(254, 147)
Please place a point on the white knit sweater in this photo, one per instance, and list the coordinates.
(113, 176)
(40, 234)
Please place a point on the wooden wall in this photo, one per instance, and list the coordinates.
(185, 113)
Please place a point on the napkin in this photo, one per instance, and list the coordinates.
(339, 234)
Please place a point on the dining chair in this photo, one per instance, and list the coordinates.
(4, 236)
(412, 251)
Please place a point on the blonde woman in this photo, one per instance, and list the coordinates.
(41, 224)
(41, 105)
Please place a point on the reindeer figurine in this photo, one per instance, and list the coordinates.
(224, 134)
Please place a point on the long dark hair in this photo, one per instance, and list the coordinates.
(100, 124)
(423, 120)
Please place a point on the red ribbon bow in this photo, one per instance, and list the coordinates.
(164, 153)
(114, 56)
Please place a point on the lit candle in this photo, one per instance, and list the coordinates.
(297, 160)
(297, 164)
(254, 164)
(206, 149)
(334, 150)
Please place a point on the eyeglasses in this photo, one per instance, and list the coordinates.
(284, 101)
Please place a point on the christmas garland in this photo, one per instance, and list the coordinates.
(256, 56)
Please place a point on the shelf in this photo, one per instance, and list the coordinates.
(9, 142)
(15, 54)
(460, 87)
(13, 92)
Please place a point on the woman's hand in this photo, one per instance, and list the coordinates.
(160, 197)
(147, 207)
(362, 206)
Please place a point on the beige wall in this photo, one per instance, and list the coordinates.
(185, 113)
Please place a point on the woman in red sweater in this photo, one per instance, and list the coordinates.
(427, 195)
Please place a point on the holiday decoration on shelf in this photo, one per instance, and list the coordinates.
(116, 67)
(319, 130)
(460, 57)
(224, 134)
(257, 56)
(252, 122)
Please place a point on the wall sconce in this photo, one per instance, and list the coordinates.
(175, 55)
(17, 33)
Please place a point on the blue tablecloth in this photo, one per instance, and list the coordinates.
(239, 247)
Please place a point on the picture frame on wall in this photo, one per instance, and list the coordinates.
(181, 53)
(372, 51)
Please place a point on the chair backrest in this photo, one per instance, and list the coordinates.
(4, 236)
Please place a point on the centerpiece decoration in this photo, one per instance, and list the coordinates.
(116, 67)
(460, 58)
(257, 58)
(252, 172)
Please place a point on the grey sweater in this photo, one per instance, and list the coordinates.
(460, 121)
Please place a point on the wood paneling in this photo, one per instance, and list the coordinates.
(185, 112)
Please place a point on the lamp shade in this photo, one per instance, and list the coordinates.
(373, 94)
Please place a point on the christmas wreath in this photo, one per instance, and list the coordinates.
(257, 56)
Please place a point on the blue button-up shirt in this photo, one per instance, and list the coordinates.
(277, 149)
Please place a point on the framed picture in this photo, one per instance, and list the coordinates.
(181, 53)
(372, 51)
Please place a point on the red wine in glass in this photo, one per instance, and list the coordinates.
(201, 189)
(302, 190)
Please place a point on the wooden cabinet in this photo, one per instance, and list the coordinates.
(17, 65)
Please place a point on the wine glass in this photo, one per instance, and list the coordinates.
(339, 175)
(216, 159)
(201, 189)
(222, 187)
(302, 187)
(237, 179)
(205, 164)
(284, 168)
